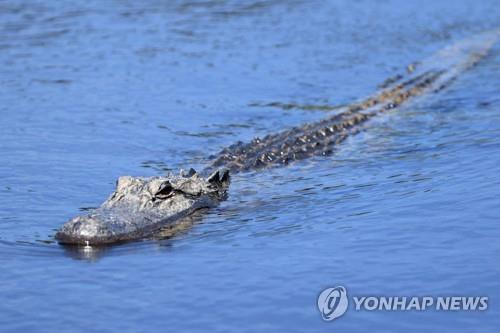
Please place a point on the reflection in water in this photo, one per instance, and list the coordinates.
(88, 253)
(181, 226)
(408, 206)
(94, 253)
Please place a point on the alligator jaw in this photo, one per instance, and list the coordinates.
(141, 206)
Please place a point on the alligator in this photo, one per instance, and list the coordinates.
(141, 207)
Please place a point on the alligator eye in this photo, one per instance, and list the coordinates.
(165, 191)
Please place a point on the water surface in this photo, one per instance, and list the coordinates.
(93, 90)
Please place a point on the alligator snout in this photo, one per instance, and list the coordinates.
(85, 230)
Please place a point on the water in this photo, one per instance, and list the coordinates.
(97, 89)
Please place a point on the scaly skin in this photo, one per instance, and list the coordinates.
(140, 207)
(321, 137)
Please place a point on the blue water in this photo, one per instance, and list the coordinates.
(93, 90)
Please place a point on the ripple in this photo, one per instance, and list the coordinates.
(92, 91)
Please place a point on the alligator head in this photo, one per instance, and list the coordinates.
(141, 206)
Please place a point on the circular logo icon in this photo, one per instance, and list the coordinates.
(332, 303)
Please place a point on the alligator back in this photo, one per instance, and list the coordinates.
(320, 138)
